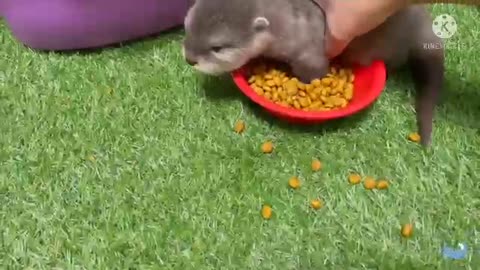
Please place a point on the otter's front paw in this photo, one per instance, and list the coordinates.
(306, 73)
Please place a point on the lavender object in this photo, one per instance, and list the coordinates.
(81, 24)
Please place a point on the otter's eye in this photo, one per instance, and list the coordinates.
(216, 48)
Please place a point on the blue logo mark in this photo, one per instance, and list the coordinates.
(455, 253)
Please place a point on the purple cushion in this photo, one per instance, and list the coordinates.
(81, 24)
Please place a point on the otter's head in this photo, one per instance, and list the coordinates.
(221, 36)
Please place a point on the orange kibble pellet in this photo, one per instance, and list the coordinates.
(354, 178)
(294, 182)
(407, 230)
(239, 126)
(266, 212)
(267, 147)
(414, 137)
(369, 183)
(316, 165)
(382, 184)
(316, 204)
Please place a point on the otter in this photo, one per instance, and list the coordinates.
(222, 36)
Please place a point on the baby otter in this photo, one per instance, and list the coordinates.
(222, 36)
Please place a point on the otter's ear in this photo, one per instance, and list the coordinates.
(260, 23)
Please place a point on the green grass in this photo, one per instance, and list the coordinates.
(126, 159)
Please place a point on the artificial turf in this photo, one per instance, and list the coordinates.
(126, 159)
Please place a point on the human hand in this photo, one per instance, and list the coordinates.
(347, 19)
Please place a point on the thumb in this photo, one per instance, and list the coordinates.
(334, 46)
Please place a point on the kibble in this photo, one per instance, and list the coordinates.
(414, 137)
(354, 178)
(369, 183)
(316, 165)
(316, 204)
(407, 230)
(239, 126)
(335, 91)
(382, 184)
(294, 182)
(266, 212)
(267, 147)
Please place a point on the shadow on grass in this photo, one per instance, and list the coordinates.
(219, 88)
(223, 88)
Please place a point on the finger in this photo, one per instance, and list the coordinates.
(334, 46)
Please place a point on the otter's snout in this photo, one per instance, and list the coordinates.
(188, 58)
(190, 61)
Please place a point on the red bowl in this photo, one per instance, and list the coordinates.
(368, 85)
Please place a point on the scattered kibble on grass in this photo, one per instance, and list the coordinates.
(382, 184)
(267, 147)
(354, 178)
(316, 204)
(316, 165)
(239, 126)
(407, 230)
(370, 183)
(294, 182)
(266, 212)
(414, 137)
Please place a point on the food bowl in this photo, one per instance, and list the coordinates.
(368, 85)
